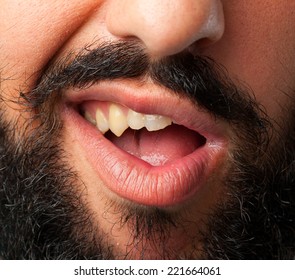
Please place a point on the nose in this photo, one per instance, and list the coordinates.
(166, 27)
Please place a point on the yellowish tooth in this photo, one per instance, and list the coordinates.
(101, 121)
(89, 118)
(135, 120)
(156, 122)
(117, 120)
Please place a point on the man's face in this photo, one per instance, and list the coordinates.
(147, 129)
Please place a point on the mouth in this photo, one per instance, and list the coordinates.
(146, 145)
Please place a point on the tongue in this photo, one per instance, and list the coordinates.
(159, 147)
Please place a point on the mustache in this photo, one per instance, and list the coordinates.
(189, 76)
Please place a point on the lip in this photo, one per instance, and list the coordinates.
(129, 177)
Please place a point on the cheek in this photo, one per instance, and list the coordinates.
(31, 32)
(258, 51)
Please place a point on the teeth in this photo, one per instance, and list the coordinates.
(156, 122)
(101, 121)
(117, 120)
(89, 118)
(135, 120)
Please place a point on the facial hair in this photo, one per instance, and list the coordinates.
(43, 217)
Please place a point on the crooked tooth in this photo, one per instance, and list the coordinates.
(135, 120)
(89, 118)
(156, 122)
(101, 121)
(117, 120)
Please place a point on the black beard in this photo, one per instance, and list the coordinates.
(258, 220)
(42, 217)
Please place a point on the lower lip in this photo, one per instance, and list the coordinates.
(135, 180)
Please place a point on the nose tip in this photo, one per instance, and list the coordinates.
(166, 27)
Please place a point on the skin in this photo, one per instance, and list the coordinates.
(256, 46)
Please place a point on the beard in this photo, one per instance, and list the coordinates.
(44, 216)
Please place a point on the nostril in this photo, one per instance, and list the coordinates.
(197, 47)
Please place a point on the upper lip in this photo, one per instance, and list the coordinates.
(150, 99)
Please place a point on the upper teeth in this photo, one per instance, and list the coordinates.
(118, 118)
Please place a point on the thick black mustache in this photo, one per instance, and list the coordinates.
(189, 76)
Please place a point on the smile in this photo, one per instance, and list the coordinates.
(147, 145)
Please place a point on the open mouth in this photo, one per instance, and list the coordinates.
(149, 149)
(155, 139)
